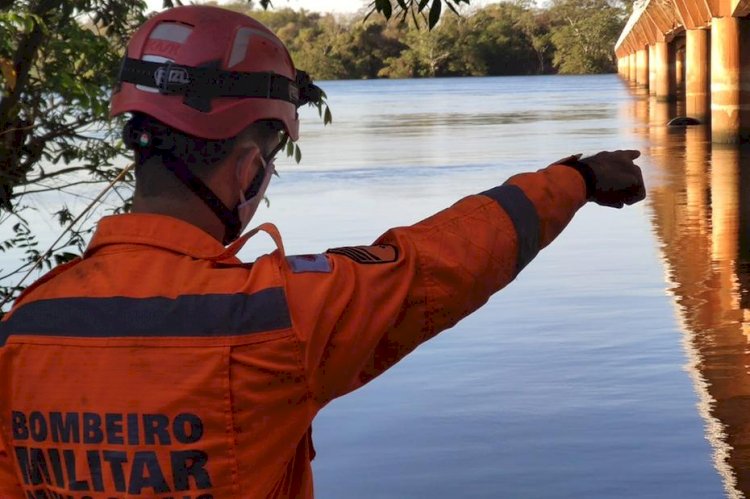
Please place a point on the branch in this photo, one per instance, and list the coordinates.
(54, 174)
(64, 130)
(17, 270)
(61, 188)
(17, 129)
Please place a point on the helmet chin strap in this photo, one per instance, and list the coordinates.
(230, 218)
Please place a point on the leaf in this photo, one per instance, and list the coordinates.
(435, 10)
(9, 73)
(297, 154)
(64, 257)
(328, 117)
(385, 7)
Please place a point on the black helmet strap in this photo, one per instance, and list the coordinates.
(201, 84)
(230, 218)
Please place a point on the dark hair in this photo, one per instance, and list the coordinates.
(149, 137)
(151, 140)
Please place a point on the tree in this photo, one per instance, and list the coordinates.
(584, 32)
(535, 25)
(60, 60)
(426, 54)
(501, 42)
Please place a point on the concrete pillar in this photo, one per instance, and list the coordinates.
(632, 67)
(664, 90)
(698, 69)
(679, 69)
(726, 90)
(625, 67)
(652, 69)
(642, 70)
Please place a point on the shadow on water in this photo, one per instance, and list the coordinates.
(700, 207)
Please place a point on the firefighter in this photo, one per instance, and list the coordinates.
(160, 365)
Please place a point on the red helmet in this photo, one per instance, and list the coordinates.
(210, 72)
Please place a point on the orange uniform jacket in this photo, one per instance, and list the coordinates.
(159, 365)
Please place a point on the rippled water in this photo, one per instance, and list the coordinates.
(615, 366)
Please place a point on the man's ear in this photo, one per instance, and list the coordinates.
(246, 164)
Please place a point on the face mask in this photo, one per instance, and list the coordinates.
(247, 207)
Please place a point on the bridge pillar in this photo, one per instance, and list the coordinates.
(623, 66)
(642, 71)
(679, 62)
(652, 73)
(727, 95)
(698, 87)
(632, 67)
(664, 88)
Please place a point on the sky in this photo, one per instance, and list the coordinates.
(337, 6)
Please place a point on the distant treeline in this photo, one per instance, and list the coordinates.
(508, 38)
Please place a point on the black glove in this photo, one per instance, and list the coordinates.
(612, 179)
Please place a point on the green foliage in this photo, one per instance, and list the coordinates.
(584, 33)
(429, 11)
(507, 38)
(59, 59)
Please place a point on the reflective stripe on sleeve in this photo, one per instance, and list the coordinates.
(522, 213)
(189, 315)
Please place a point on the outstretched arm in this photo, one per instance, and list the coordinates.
(370, 306)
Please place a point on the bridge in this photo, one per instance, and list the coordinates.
(699, 49)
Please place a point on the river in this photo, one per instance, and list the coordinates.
(615, 366)
(579, 379)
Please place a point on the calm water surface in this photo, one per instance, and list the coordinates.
(615, 366)
(581, 379)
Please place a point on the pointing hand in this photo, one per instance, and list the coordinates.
(613, 179)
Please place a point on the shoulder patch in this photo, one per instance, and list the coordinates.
(382, 253)
(309, 263)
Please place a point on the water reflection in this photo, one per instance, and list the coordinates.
(701, 215)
